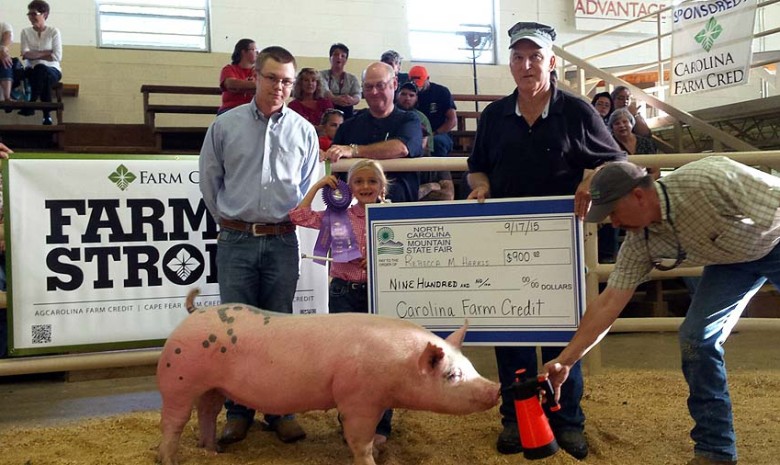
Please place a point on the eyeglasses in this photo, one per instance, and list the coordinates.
(34, 13)
(379, 86)
(273, 80)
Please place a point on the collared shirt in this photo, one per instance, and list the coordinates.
(364, 129)
(347, 84)
(722, 211)
(49, 39)
(545, 159)
(255, 169)
(351, 271)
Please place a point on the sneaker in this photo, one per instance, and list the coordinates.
(47, 121)
(573, 441)
(699, 460)
(509, 440)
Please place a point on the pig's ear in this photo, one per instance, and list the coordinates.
(456, 339)
(430, 359)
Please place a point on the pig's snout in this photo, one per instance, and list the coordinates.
(489, 395)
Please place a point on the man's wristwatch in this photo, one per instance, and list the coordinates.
(355, 151)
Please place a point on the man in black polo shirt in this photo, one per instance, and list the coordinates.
(538, 141)
(383, 131)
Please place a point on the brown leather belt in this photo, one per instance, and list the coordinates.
(258, 229)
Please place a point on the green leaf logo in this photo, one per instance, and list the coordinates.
(706, 37)
(122, 177)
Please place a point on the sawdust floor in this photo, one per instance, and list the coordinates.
(635, 406)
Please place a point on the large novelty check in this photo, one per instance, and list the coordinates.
(512, 267)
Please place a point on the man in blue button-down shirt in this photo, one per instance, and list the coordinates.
(257, 162)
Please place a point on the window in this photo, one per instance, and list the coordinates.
(154, 24)
(451, 30)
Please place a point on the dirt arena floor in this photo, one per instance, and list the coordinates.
(635, 407)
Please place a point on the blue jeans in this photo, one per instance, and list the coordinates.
(511, 359)
(259, 271)
(442, 145)
(348, 297)
(41, 79)
(722, 294)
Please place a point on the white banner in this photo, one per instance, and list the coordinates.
(103, 251)
(711, 44)
(597, 15)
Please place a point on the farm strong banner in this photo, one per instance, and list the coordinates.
(711, 44)
(103, 251)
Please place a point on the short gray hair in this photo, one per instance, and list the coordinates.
(620, 113)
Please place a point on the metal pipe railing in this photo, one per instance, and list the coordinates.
(594, 272)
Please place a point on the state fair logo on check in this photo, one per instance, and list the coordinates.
(386, 245)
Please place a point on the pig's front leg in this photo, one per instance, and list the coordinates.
(359, 431)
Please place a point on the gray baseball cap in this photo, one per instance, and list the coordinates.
(540, 34)
(610, 184)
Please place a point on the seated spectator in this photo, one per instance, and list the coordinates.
(434, 185)
(621, 98)
(341, 87)
(6, 61)
(237, 80)
(393, 58)
(331, 120)
(435, 101)
(621, 123)
(42, 50)
(602, 102)
(308, 97)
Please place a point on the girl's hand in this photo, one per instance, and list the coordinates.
(329, 180)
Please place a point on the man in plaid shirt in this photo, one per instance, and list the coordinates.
(713, 212)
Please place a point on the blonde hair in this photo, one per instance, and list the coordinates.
(366, 163)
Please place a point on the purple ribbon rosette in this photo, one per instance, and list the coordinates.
(336, 232)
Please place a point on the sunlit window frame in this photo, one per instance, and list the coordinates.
(173, 47)
(492, 57)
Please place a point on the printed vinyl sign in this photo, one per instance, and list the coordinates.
(512, 268)
(711, 44)
(597, 15)
(103, 251)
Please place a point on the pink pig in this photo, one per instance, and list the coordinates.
(360, 364)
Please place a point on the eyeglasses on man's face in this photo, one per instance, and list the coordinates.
(273, 80)
(33, 14)
(379, 86)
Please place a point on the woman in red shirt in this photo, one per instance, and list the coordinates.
(308, 97)
(237, 80)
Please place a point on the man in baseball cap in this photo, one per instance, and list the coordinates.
(610, 184)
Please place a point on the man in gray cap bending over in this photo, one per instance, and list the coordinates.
(713, 212)
(538, 141)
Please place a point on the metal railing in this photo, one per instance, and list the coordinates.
(595, 273)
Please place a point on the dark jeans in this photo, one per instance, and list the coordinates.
(348, 297)
(258, 271)
(511, 359)
(442, 145)
(41, 79)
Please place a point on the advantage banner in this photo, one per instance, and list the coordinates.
(102, 251)
(711, 44)
(597, 15)
(512, 267)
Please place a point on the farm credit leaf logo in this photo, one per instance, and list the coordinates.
(122, 177)
(706, 37)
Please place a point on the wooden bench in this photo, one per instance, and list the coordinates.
(468, 113)
(152, 109)
(60, 90)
